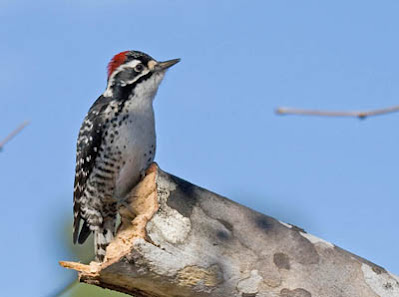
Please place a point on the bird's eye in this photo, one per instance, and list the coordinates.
(139, 67)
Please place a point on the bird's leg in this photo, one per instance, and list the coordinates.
(124, 202)
(124, 207)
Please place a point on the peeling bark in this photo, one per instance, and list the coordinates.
(180, 240)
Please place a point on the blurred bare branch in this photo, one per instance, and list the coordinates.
(326, 113)
(13, 134)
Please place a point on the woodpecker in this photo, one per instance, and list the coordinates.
(116, 144)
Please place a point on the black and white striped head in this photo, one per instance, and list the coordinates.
(130, 69)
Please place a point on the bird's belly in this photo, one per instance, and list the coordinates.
(137, 151)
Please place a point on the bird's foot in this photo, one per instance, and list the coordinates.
(125, 209)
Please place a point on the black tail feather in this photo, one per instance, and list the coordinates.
(76, 227)
(84, 233)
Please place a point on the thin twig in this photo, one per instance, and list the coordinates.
(12, 134)
(326, 113)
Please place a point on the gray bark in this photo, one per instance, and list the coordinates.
(186, 241)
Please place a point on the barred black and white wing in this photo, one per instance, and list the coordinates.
(88, 145)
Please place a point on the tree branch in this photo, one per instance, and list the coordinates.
(357, 114)
(186, 241)
(13, 134)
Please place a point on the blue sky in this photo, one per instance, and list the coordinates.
(216, 127)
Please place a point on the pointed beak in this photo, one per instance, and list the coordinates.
(167, 64)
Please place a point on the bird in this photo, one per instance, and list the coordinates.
(115, 145)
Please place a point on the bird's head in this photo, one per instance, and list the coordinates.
(130, 69)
